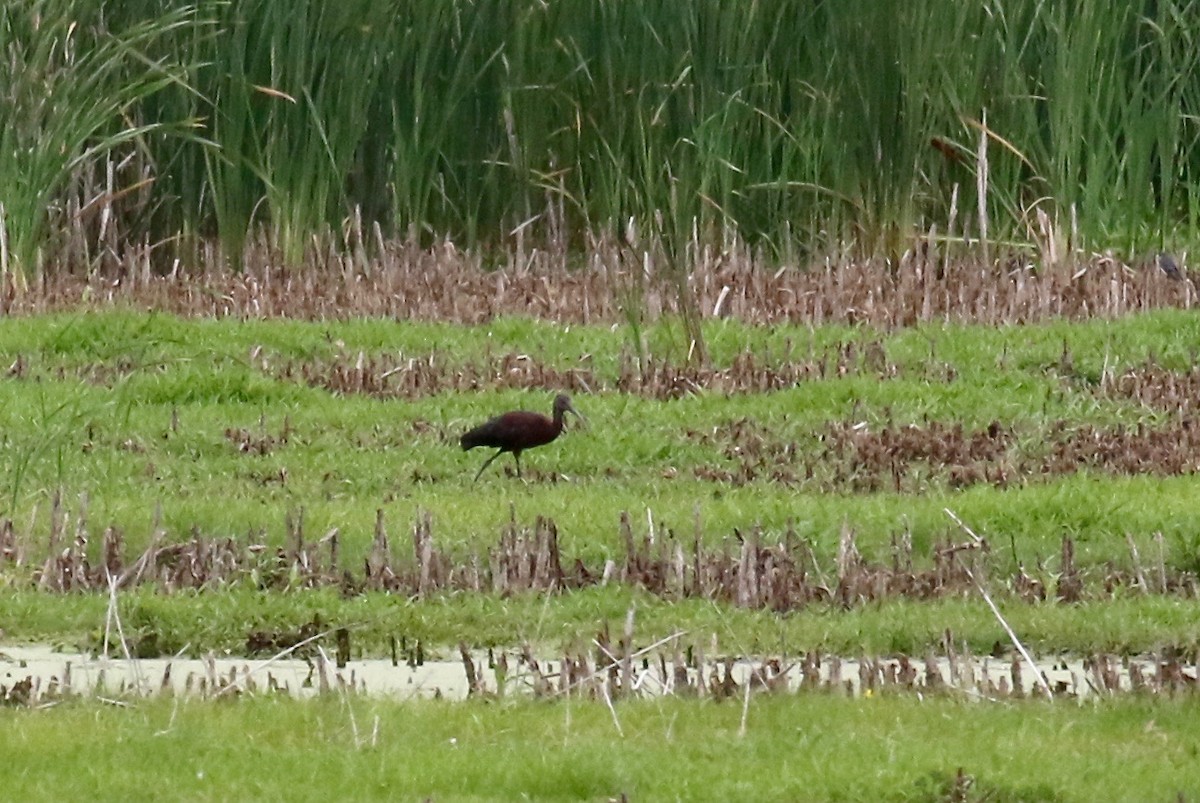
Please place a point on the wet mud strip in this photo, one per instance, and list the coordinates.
(38, 676)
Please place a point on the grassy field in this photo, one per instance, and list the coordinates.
(194, 622)
(879, 358)
(248, 478)
(265, 434)
(786, 748)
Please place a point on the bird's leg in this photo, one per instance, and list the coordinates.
(517, 457)
(487, 463)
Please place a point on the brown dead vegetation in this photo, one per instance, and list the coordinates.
(869, 459)
(1170, 450)
(1156, 387)
(414, 377)
(404, 281)
(857, 457)
(749, 570)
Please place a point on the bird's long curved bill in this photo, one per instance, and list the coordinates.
(571, 409)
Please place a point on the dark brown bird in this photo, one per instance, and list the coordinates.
(1167, 264)
(519, 430)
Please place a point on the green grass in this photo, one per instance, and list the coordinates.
(794, 748)
(108, 434)
(221, 620)
(91, 416)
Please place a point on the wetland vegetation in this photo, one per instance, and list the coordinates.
(861, 303)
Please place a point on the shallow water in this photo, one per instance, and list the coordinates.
(80, 673)
(52, 673)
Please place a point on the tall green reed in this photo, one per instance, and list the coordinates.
(68, 87)
(290, 84)
(806, 128)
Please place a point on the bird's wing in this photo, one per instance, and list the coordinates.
(503, 432)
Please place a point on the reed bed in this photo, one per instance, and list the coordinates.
(809, 129)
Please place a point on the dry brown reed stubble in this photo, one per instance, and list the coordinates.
(405, 281)
(419, 376)
(860, 457)
(747, 570)
(1155, 386)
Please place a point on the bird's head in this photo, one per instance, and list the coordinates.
(562, 404)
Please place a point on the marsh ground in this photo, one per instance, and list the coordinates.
(247, 481)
